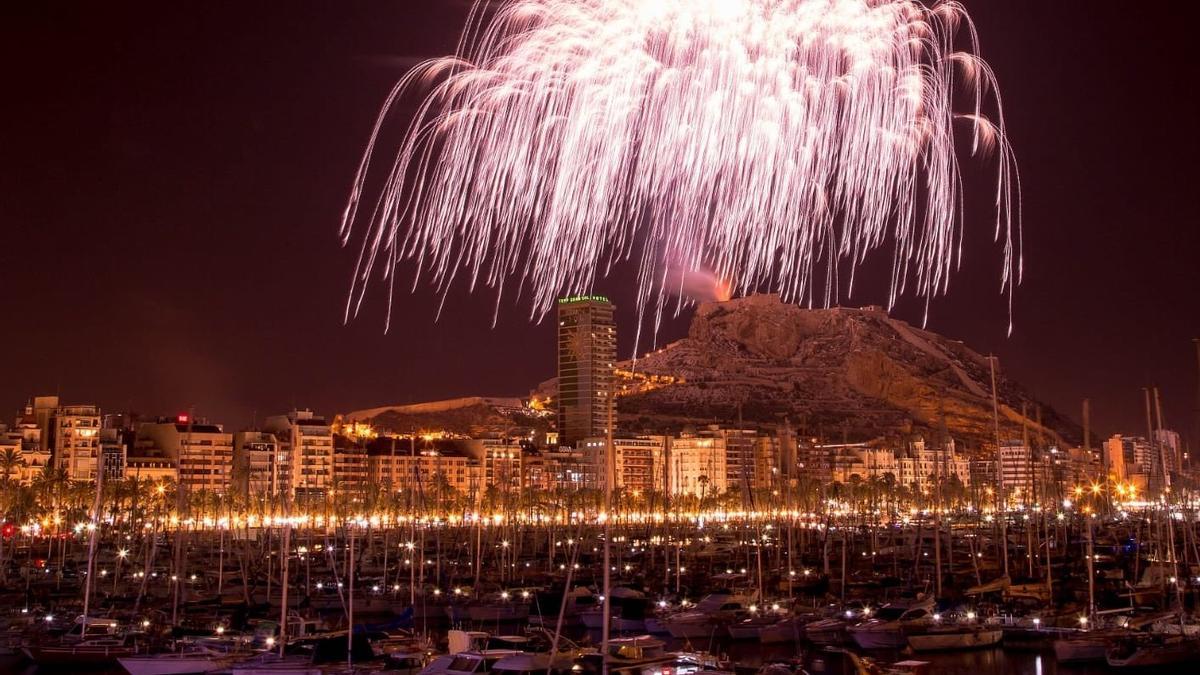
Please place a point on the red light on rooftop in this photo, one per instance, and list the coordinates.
(182, 419)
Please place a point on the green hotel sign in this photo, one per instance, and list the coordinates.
(582, 298)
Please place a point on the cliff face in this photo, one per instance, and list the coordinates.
(835, 372)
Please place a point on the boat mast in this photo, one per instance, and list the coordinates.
(284, 583)
(1162, 454)
(606, 604)
(350, 601)
(939, 485)
(1196, 437)
(180, 501)
(1028, 484)
(1091, 561)
(95, 530)
(1001, 510)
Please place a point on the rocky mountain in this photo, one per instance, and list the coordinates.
(836, 373)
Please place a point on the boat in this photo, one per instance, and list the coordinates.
(1154, 651)
(535, 664)
(887, 626)
(1082, 648)
(783, 631)
(466, 663)
(91, 628)
(175, 663)
(1174, 626)
(291, 664)
(405, 663)
(830, 631)
(459, 641)
(87, 653)
(593, 618)
(950, 638)
(751, 628)
(712, 612)
(630, 656)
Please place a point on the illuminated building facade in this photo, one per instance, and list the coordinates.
(639, 462)
(260, 466)
(503, 464)
(308, 440)
(697, 466)
(202, 452)
(587, 350)
(114, 449)
(1017, 469)
(75, 440)
(405, 471)
(24, 439)
(350, 468)
(150, 468)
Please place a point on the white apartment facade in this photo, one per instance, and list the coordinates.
(308, 440)
(201, 452)
(75, 440)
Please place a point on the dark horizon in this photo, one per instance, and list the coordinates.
(176, 175)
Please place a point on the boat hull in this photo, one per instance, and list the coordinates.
(655, 625)
(826, 633)
(1171, 653)
(879, 639)
(688, 629)
(79, 657)
(171, 664)
(592, 620)
(952, 641)
(1080, 650)
(780, 633)
(628, 625)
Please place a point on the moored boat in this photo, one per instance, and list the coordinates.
(175, 663)
(710, 614)
(98, 653)
(1081, 648)
(886, 629)
(785, 630)
(1139, 652)
(950, 638)
(831, 631)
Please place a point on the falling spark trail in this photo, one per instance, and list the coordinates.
(758, 141)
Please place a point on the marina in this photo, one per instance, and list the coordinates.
(525, 592)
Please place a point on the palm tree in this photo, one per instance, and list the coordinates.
(10, 461)
(51, 484)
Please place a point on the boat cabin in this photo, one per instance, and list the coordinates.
(90, 628)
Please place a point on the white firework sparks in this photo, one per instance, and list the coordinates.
(773, 143)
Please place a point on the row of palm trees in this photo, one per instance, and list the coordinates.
(50, 494)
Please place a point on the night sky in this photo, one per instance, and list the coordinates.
(173, 176)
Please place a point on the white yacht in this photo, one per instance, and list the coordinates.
(885, 629)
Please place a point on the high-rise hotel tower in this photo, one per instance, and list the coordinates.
(587, 351)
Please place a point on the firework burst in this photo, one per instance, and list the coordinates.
(771, 143)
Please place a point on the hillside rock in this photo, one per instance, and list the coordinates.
(475, 416)
(837, 373)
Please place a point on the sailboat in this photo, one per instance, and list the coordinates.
(90, 641)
